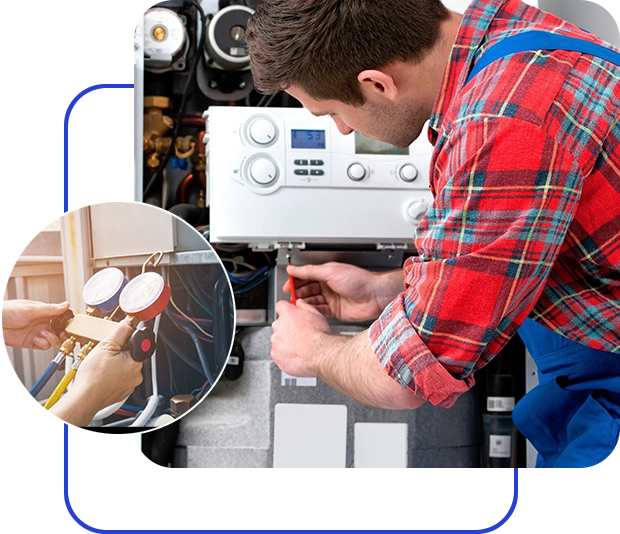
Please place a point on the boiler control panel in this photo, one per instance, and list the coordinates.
(283, 174)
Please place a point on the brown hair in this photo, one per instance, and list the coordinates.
(322, 45)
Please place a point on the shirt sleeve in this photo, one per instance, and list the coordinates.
(506, 194)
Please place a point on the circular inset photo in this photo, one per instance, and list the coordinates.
(118, 317)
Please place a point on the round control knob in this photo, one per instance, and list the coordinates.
(262, 132)
(408, 173)
(415, 211)
(356, 172)
(263, 171)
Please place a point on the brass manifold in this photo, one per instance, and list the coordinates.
(156, 127)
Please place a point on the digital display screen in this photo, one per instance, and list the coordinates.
(313, 139)
(366, 145)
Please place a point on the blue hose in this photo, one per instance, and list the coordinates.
(45, 378)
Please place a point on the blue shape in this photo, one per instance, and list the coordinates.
(98, 141)
(546, 500)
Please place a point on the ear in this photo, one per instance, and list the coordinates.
(377, 83)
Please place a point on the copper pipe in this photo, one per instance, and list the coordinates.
(202, 150)
(195, 122)
(183, 189)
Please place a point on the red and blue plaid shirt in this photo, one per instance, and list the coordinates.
(526, 218)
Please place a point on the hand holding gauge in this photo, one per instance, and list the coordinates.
(141, 299)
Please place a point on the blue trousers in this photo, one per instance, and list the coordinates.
(573, 416)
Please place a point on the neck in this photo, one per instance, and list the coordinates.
(429, 73)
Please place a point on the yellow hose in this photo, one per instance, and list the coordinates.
(60, 388)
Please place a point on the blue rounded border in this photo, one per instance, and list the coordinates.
(99, 145)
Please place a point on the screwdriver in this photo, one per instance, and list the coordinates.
(291, 282)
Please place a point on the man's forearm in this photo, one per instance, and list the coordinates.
(388, 286)
(75, 408)
(350, 366)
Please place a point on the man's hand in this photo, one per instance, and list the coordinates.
(346, 292)
(26, 324)
(302, 345)
(106, 376)
(296, 329)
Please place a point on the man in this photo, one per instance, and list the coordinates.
(525, 222)
(109, 374)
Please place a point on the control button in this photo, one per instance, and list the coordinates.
(408, 173)
(262, 131)
(316, 172)
(415, 211)
(301, 172)
(301, 162)
(356, 172)
(263, 171)
(316, 162)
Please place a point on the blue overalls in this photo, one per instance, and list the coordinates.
(573, 416)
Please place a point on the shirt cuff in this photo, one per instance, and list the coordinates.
(408, 360)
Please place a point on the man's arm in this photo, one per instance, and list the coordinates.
(303, 345)
(349, 365)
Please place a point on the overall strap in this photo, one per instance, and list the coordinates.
(539, 40)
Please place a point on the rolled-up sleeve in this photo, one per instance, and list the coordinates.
(506, 195)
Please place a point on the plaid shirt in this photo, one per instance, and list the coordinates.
(526, 217)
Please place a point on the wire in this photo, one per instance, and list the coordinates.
(189, 318)
(190, 294)
(268, 103)
(194, 318)
(267, 275)
(239, 262)
(125, 413)
(206, 386)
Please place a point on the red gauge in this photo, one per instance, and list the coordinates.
(145, 297)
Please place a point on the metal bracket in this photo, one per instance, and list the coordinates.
(391, 246)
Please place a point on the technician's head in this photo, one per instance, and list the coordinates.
(369, 64)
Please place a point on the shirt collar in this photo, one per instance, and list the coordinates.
(471, 35)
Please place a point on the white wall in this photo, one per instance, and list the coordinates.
(601, 17)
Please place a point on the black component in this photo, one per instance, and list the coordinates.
(159, 445)
(316, 162)
(234, 369)
(142, 344)
(191, 214)
(301, 162)
(301, 172)
(222, 319)
(60, 322)
(317, 172)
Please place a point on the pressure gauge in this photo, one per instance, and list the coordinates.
(225, 45)
(165, 41)
(145, 297)
(103, 289)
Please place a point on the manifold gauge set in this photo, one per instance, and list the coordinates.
(283, 175)
(106, 293)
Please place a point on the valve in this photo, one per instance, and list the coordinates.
(60, 322)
